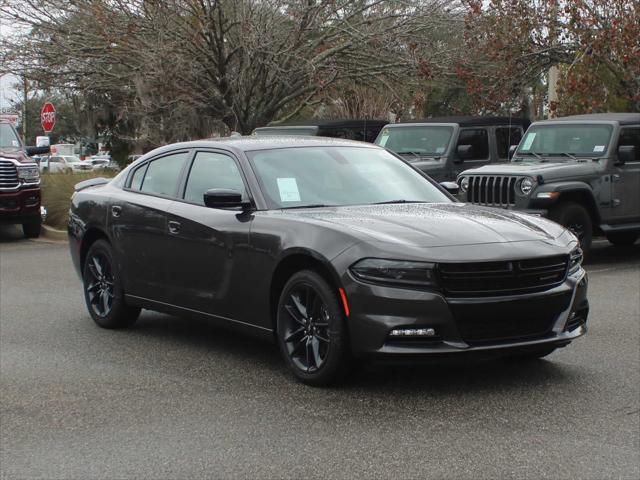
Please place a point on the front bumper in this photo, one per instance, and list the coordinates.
(376, 310)
(17, 206)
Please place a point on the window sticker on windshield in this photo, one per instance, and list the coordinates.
(599, 148)
(383, 138)
(15, 143)
(526, 145)
(288, 189)
(440, 150)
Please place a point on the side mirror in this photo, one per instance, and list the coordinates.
(452, 187)
(512, 151)
(626, 153)
(223, 198)
(465, 152)
(31, 151)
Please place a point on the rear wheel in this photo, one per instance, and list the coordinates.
(32, 228)
(576, 218)
(103, 290)
(311, 331)
(623, 239)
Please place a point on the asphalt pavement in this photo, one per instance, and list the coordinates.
(178, 398)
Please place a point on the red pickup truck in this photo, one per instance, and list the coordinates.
(19, 182)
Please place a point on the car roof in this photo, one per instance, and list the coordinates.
(329, 123)
(469, 121)
(621, 118)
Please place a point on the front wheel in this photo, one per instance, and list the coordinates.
(623, 239)
(32, 228)
(311, 331)
(103, 290)
(575, 218)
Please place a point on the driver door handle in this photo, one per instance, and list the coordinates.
(174, 227)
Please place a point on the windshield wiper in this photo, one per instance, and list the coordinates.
(537, 155)
(570, 155)
(311, 205)
(398, 201)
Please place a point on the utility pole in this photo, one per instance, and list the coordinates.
(552, 75)
(25, 89)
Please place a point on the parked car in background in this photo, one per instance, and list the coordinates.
(65, 164)
(582, 171)
(445, 146)
(361, 130)
(335, 249)
(19, 182)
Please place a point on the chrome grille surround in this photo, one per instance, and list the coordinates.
(8, 175)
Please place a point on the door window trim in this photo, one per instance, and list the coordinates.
(615, 153)
(145, 164)
(486, 130)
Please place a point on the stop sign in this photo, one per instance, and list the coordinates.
(48, 117)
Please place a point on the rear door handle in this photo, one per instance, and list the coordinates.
(174, 227)
(116, 210)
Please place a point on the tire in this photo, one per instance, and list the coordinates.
(577, 219)
(531, 354)
(32, 228)
(103, 292)
(315, 347)
(623, 239)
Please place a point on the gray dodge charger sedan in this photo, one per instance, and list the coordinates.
(334, 249)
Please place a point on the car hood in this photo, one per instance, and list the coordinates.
(15, 154)
(533, 169)
(431, 225)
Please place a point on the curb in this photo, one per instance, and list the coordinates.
(54, 233)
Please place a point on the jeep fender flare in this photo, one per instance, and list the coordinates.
(578, 192)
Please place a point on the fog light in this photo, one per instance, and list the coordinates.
(413, 332)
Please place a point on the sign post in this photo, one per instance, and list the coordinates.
(48, 117)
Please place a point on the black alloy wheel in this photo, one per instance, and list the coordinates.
(576, 219)
(311, 329)
(103, 291)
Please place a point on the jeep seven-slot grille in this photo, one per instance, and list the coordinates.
(8, 175)
(502, 278)
(493, 190)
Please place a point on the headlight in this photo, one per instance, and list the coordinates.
(394, 272)
(575, 260)
(464, 184)
(29, 174)
(526, 185)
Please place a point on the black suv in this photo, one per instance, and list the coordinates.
(581, 171)
(443, 147)
(361, 130)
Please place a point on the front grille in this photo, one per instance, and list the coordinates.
(494, 191)
(8, 175)
(502, 278)
(509, 321)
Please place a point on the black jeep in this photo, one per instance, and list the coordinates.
(581, 171)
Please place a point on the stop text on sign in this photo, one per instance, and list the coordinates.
(48, 117)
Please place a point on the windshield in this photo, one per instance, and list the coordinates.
(71, 159)
(333, 176)
(273, 131)
(427, 141)
(567, 141)
(8, 137)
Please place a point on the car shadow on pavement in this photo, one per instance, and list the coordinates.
(247, 354)
(11, 233)
(602, 252)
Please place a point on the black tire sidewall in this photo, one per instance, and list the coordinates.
(121, 315)
(32, 228)
(337, 361)
(565, 213)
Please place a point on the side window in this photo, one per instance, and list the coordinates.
(505, 137)
(55, 160)
(212, 170)
(479, 141)
(138, 175)
(162, 174)
(631, 136)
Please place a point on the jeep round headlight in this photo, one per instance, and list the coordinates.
(464, 184)
(526, 185)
